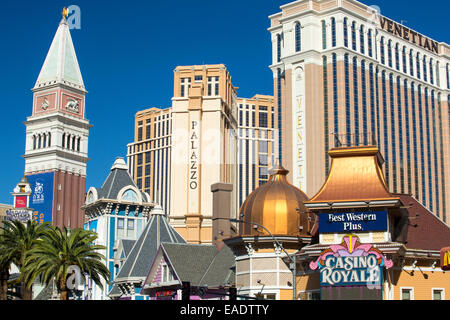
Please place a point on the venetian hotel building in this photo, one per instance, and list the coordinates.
(346, 75)
(208, 135)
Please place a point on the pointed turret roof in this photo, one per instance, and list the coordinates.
(138, 262)
(61, 64)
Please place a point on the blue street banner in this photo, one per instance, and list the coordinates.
(41, 198)
(352, 221)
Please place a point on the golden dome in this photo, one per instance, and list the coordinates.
(278, 206)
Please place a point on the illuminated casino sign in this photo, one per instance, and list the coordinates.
(352, 221)
(351, 263)
(408, 35)
(445, 258)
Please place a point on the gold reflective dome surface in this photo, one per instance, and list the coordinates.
(278, 206)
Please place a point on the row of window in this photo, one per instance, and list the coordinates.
(246, 116)
(42, 140)
(423, 66)
(212, 85)
(71, 142)
(394, 127)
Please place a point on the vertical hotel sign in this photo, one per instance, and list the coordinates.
(194, 162)
(41, 198)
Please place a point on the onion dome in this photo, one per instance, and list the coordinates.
(278, 206)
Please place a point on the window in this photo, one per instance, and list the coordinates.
(382, 50)
(268, 296)
(354, 35)
(411, 63)
(431, 71)
(333, 32)
(297, 37)
(404, 59)
(438, 294)
(130, 195)
(418, 65)
(424, 65)
(397, 57)
(390, 53)
(120, 227)
(130, 228)
(262, 119)
(407, 294)
(369, 42)
(361, 39)
(347, 98)
(185, 85)
(324, 35)
(198, 78)
(345, 33)
(278, 47)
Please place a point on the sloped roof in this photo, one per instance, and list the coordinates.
(355, 175)
(116, 180)
(127, 245)
(201, 265)
(61, 64)
(141, 256)
(420, 228)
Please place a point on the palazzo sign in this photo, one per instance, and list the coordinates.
(352, 221)
(408, 34)
(194, 155)
(351, 263)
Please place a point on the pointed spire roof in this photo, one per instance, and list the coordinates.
(61, 64)
(139, 261)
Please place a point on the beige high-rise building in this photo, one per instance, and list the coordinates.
(179, 152)
(344, 74)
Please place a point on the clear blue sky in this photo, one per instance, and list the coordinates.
(127, 51)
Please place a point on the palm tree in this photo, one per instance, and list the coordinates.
(5, 264)
(16, 240)
(57, 250)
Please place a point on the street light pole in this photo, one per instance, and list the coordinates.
(293, 265)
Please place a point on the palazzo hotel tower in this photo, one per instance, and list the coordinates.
(346, 75)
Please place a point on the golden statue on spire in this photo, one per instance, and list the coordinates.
(65, 12)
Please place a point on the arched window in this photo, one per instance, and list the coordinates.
(369, 42)
(448, 75)
(34, 142)
(361, 39)
(404, 59)
(411, 63)
(418, 65)
(278, 47)
(438, 76)
(130, 195)
(63, 144)
(354, 35)
(68, 141)
(424, 65)
(73, 142)
(345, 33)
(390, 53)
(324, 35)
(382, 50)
(44, 140)
(78, 144)
(49, 139)
(333, 32)
(431, 71)
(297, 37)
(90, 198)
(39, 142)
(397, 57)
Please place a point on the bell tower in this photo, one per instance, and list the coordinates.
(57, 135)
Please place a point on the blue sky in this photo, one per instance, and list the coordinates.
(127, 51)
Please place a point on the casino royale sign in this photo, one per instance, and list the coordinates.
(408, 35)
(352, 221)
(351, 263)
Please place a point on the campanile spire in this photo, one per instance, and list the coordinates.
(57, 135)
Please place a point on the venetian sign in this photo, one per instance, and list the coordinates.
(351, 263)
